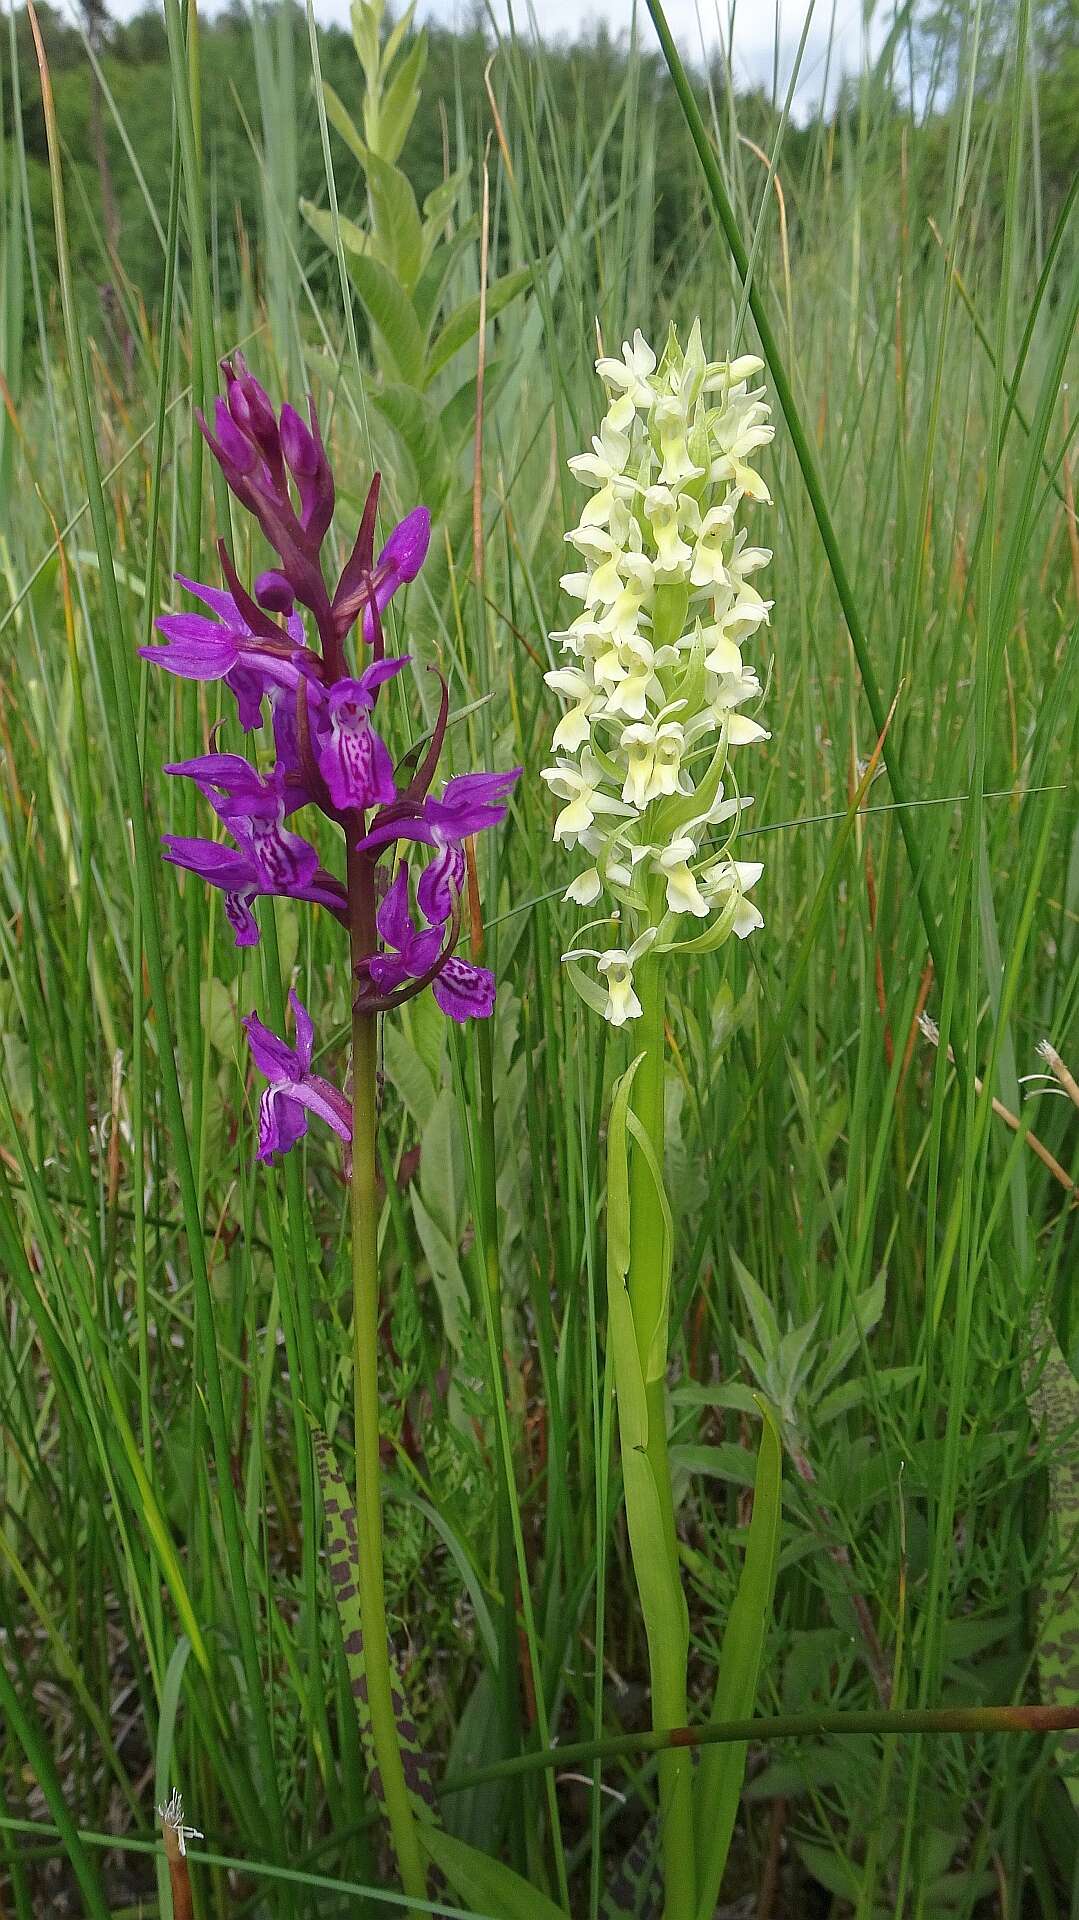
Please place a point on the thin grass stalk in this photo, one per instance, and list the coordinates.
(121, 714)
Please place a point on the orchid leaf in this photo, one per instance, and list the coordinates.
(461, 327)
(485, 1884)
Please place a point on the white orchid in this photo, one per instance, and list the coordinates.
(658, 694)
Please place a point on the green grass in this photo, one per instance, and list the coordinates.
(174, 1319)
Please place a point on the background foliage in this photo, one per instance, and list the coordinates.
(861, 1235)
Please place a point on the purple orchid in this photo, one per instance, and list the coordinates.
(242, 881)
(228, 649)
(294, 1091)
(411, 953)
(468, 804)
(328, 751)
(354, 762)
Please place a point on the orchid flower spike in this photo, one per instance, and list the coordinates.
(656, 685)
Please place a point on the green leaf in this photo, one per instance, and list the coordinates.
(353, 238)
(722, 1462)
(415, 422)
(430, 290)
(485, 1885)
(401, 98)
(761, 1310)
(396, 35)
(462, 325)
(340, 120)
(442, 199)
(391, 312)
(719, 1780)
(394, 215)
(449, 1281)
(366, 20)
(407, 1074)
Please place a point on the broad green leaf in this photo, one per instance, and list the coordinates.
(449, 1282)
(366, 20)
(397, 109)
(407, 1074)
(654, 1340)
(722, 1462)
(353, 238)
(440, 1178)
(339, 118)
(719, 1779)
(394, 217)
(391, 312)
(397, 34)
(430, 290)
(462, 325)
(413, 419)
(485, 1885)
(621, 1333)
(441, 200)
(865, 1312)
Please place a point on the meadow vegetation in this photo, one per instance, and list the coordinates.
(875, 1231)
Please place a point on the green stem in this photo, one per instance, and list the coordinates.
(368, 1473)
(667, 1632)
(909, 1721)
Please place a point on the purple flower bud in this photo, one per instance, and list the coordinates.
(298, 445)
(234, 445)
(274, 592)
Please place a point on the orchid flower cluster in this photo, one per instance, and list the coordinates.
(282, 646)
(656, 683)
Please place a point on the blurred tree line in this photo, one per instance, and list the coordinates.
(113, 232)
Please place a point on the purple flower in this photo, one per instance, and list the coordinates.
(227, 649)
(242, 880)
(468, 804)
(463, 991)
(414, 951)
(399, 562)
(354, 762)
(294, 1091)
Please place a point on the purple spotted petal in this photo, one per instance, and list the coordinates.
(249, 686)
(198, 649)
(283, 861)
(354, 761)
(440, 885)
(463, 991)
(241, 919)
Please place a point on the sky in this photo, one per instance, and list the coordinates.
(694, 24)
(754, 33)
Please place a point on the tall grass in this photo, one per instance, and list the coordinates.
(173, 1325)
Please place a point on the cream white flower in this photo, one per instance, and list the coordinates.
(582, 787)
(683, 893)
(653, 755)
(735, 876)
(657, 687)
(573, 729)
